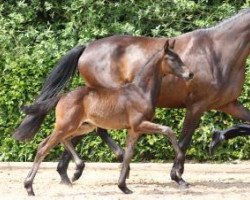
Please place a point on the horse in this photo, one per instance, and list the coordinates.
(130, 106)
(227, 134)
(217, 55)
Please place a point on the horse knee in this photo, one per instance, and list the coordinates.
(120, 155)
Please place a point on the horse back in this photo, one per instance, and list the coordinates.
(114, 61)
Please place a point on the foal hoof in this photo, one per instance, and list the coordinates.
(76, 176)
(31, 193)
(78, 172)
(64, 182)
(125, 190)
(29, 189)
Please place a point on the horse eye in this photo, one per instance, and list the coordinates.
(170, 58)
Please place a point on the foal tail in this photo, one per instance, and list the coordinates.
(48, 97)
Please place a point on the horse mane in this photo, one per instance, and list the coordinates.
(238, 17)
(222, 25)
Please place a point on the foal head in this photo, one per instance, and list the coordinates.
(172, 63)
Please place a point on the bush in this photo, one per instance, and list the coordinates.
(35, 34)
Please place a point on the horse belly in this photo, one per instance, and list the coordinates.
(108, 113)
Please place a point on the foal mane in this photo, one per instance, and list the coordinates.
(148, 68)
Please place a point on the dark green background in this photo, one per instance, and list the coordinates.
(35, 34)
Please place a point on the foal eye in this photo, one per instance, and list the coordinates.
(171, 58)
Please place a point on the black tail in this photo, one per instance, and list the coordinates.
(48, 98)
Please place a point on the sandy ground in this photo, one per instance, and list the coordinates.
(147, 180)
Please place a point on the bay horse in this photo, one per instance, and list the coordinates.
(216, 55)
(227, 134)
(130, 106)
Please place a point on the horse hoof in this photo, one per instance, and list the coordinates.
(64, 182)
(125, 190)
(183, 184)
(76, 176)
(31, 193)
(29, 189)
(78, 172)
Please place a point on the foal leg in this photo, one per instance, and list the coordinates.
(42, 151)
(111, 143)
(64, 162)
(78, 161)
(191, 122)
(150, 128)
(131, 140)
(66, 156)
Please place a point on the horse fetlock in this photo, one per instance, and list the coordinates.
(175, 174)
(80, 165)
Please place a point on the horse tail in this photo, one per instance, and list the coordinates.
(48, 97)
(36, 113)
(60, 75)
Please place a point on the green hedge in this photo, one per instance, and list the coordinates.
(35, 34)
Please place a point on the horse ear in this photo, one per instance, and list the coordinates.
(166, 46)
(171, 43)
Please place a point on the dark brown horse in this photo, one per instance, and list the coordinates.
(216, 55)
(130, 106)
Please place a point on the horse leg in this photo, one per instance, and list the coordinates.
(42, 151)
(149, 127)
(237, 110)
(78, 161)
(235, 131)
(191, 122)
(66, 156)
(131, 140)
(111, 143)
(64, 162)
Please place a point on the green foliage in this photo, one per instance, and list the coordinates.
(35, 34)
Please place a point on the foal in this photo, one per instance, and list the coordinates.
(130, 106)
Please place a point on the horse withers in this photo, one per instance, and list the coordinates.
(129, 107)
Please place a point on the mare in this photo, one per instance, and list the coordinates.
(216, 55)
(130, 106)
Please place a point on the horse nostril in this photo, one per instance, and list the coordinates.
(191, 75)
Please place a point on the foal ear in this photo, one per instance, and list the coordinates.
(166, 46)
(171, 43)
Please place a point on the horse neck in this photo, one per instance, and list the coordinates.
(150, 76)
(232, 40)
